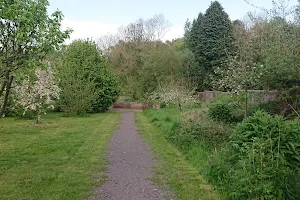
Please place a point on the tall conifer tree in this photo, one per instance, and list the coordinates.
(211, 39)
(217, 40)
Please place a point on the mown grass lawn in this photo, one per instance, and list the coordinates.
(173, 168)
(58, 160)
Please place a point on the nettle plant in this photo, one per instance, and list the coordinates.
(37, 96)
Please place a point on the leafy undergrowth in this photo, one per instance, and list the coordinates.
(173, 168)
(169, 121)
(255, 159)
(57, 160)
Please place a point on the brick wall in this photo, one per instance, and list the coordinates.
(130, 105)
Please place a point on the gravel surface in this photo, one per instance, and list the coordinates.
(130, 166)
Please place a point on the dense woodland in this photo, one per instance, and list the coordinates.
(253, 148)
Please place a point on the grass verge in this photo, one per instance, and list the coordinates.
(173, 168)
(57, 160)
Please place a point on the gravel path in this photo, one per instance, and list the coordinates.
(130, 166)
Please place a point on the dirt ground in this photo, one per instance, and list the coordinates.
(130, 166)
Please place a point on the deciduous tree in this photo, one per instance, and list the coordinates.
(38, 95)
(27, 34)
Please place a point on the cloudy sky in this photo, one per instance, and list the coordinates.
(94, 18)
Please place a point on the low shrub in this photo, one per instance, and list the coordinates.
(154, 119)
(291, 99)
(14, 110)
(19, 112)
(227, 108)
(163, 105)
(140, 100)
(195, 127)
(272, 107)
(228, 113)
(128, 99)
(168, 119)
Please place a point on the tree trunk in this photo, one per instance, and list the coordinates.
(246, 103)
(2, 88)
(180, 107)
(8, 87)
(38, 120)
(4, 84)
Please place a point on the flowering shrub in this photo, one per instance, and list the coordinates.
(38, 95)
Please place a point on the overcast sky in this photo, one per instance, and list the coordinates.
(93, 18)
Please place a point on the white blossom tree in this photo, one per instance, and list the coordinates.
(38, 95)
(176, 93)
(238, 75)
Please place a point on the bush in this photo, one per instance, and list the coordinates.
(141, 100)
(17, 111)
(163, 105)
(14, 110)
(227, 109)
(271, 107)
(262, 161)
(107, 90)
(128, 99)
(195, 127)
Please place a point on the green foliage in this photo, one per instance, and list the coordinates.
(18, 111)
(190, 68)
(18, 32)
(195, 70)
(281, 72)
(142, 66)
(195, 128)
(272, 107)
(160, 64)
(210, 38)
(227, 108)
(27, 34)
(163, 105)
(86, 81)
(192, 128)
(193, 33)
(217, 41)
(262, 161)
(128, 99)
(107, 89)
(141, 59)
(291, 99)
(173, 168)
(226, 113)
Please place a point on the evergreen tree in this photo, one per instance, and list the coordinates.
(195, 32)
(192, 41)
(211, 39)
(216, 40)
